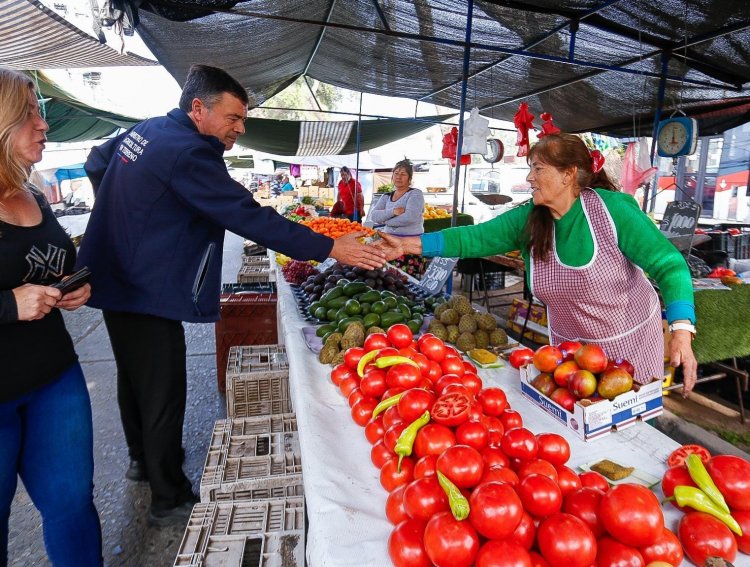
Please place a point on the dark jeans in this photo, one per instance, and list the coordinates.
(151, 391)
(46, 439)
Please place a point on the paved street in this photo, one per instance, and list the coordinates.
(122, 504)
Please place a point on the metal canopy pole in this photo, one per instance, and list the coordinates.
(467, 52)
(356, 177)
(657, 118)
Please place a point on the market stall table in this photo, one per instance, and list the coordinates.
(345, 502)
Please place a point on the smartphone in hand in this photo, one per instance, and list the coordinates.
(74, 281)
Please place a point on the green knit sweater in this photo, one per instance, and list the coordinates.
(637, 236)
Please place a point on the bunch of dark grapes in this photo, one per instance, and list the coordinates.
(296, 272)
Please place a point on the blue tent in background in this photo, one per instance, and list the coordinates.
(70, 172)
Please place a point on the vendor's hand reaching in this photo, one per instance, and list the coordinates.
(348, 250)
(74, 299)
(35, 301)
(681, 354)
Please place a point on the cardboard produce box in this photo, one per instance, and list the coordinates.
(594, 419)
(536, 327)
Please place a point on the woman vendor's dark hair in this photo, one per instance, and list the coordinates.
(561, 151)
(406, 165)
(208, 84)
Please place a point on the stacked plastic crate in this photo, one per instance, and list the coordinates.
(252, 496)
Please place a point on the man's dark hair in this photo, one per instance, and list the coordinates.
(208, 84)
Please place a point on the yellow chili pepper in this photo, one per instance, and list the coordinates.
(405, 441)
(365, 360)
(696, 499)
(387, 361)
(458, 503)
(700, 476)
(385, 404)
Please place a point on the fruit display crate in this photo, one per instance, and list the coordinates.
(241, 463)
(250, 248)
(245, 534)
(255, 273)
(246, 319)
(247, 288)
(253, 395)
(253, 359)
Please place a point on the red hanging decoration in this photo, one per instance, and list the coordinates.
(523, 120)
(547, 126)
(597, 161)
(450, 146)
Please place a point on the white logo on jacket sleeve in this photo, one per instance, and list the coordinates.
(44, 266)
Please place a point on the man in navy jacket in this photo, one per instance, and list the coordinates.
(154, 246)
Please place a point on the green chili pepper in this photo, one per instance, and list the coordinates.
(457, 501)
(406, 439)
(699, 500)
(366, 358)
(387, 361)
(385, 404)
(700, 476)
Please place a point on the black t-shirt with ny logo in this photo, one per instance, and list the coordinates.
(34, 353)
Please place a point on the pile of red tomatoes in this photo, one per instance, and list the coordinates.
(526, 507)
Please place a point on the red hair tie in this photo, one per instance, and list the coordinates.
(597, 161)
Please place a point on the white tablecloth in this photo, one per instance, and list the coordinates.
(345, 502)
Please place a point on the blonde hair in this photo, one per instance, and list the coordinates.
(14, 108)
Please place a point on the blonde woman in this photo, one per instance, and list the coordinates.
(45, 413)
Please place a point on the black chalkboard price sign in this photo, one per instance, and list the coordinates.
(437, 273)
(680, 218)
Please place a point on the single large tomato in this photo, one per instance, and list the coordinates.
(406, 545)
(494, 456)
(537, 560)
(565, 540)
(446, 380)
(678, 456)
(703, 536)
(463, 465)
(553, 448)
(424, 497)
(567, 480)
(538, 466)
(511, 419)
(380, 454)
(425, 467)
(340, 372)
(584, 505)
(520, 357)
(505, 553)
(474, 434)
(433, 348)
(632, 514)
(732, 476)
(414, 403)
(433, 439)
(373, 383)
(519, 443)
(374, 430)
(495, 510)
(399, 335)
(451, 409)
(391, 478)
(540, 495)
(352, 356)
(453, 365)
(499, 474)
(743, 519)
(494, 401)
(495, 427)
(593, 479)
(394, 506)
(376, 341)
(348, 385)
(362, 410)
(450, 543)
(525, 532)
(403, 376)
(666, 548)
(391, 435)
(472, 382)
(612, 553)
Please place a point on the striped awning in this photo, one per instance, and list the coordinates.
(34, 37)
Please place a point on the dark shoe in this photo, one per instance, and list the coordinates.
(136, 471)
(171, 516)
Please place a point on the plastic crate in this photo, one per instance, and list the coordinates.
(719, 241)
(244, 360)
(252, 249)
(256, 261)
(254, 273)
(245, 534)
(246, 319)
(244, 288)
(241, 463)
(258, 394)
(739, 246)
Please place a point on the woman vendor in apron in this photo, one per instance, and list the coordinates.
(586, 247)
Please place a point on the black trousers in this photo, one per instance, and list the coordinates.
(151, 392)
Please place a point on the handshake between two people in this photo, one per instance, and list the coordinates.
(372, 255)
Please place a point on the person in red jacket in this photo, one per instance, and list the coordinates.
(347, 191)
